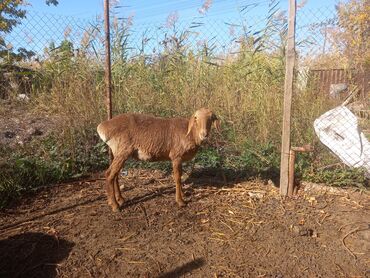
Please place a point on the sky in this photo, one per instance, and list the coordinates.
(146, 11)
(45, 24)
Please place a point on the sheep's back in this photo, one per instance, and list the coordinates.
(147, 137)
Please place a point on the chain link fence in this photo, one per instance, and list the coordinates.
(326, 75)
(41, 32)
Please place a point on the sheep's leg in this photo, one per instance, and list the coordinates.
(112, 180)
(117, 192)
(177, 172)
(109, 188)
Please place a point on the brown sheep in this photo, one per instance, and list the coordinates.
(145, 137)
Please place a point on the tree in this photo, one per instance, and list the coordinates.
(346, 38)
(52, 2)
(11, 14)
(352, 37)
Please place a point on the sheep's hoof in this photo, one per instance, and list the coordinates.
(115, 208)
(181, 203)
(120, 201)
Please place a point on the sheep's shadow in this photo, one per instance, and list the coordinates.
(52, 212)
(204, 178)
(32, 255)
(167, 190)
(184, 269)
(226, 177)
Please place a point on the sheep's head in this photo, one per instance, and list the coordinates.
(201, 122)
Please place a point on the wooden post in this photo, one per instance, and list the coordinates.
(108, 71)
(288, 92)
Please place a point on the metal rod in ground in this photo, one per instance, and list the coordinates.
(108, 71)
(291, 173)
(292, 156)
(288, 92)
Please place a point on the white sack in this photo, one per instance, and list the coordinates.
(338, 130)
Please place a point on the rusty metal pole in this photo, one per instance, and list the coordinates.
(108, 70)
(291, 173)
(292, 156)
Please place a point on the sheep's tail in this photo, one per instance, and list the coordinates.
(102, 133)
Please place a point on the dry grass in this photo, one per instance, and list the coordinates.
(246, 93)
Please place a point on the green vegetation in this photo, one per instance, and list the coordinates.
(244, 89)
(50, 160)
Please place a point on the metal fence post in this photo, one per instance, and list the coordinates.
(108, 71)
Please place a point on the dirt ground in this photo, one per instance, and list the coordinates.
(240, 229)
(19, 125)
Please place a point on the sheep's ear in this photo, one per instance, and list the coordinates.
(216, 123)
(191, 124)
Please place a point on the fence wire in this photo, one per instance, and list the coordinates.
(42, 32)
(325, 75)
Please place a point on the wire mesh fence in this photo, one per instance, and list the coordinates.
(40, 32)
(328, 68)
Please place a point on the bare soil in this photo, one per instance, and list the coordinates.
(240, 229)
(19, 125)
